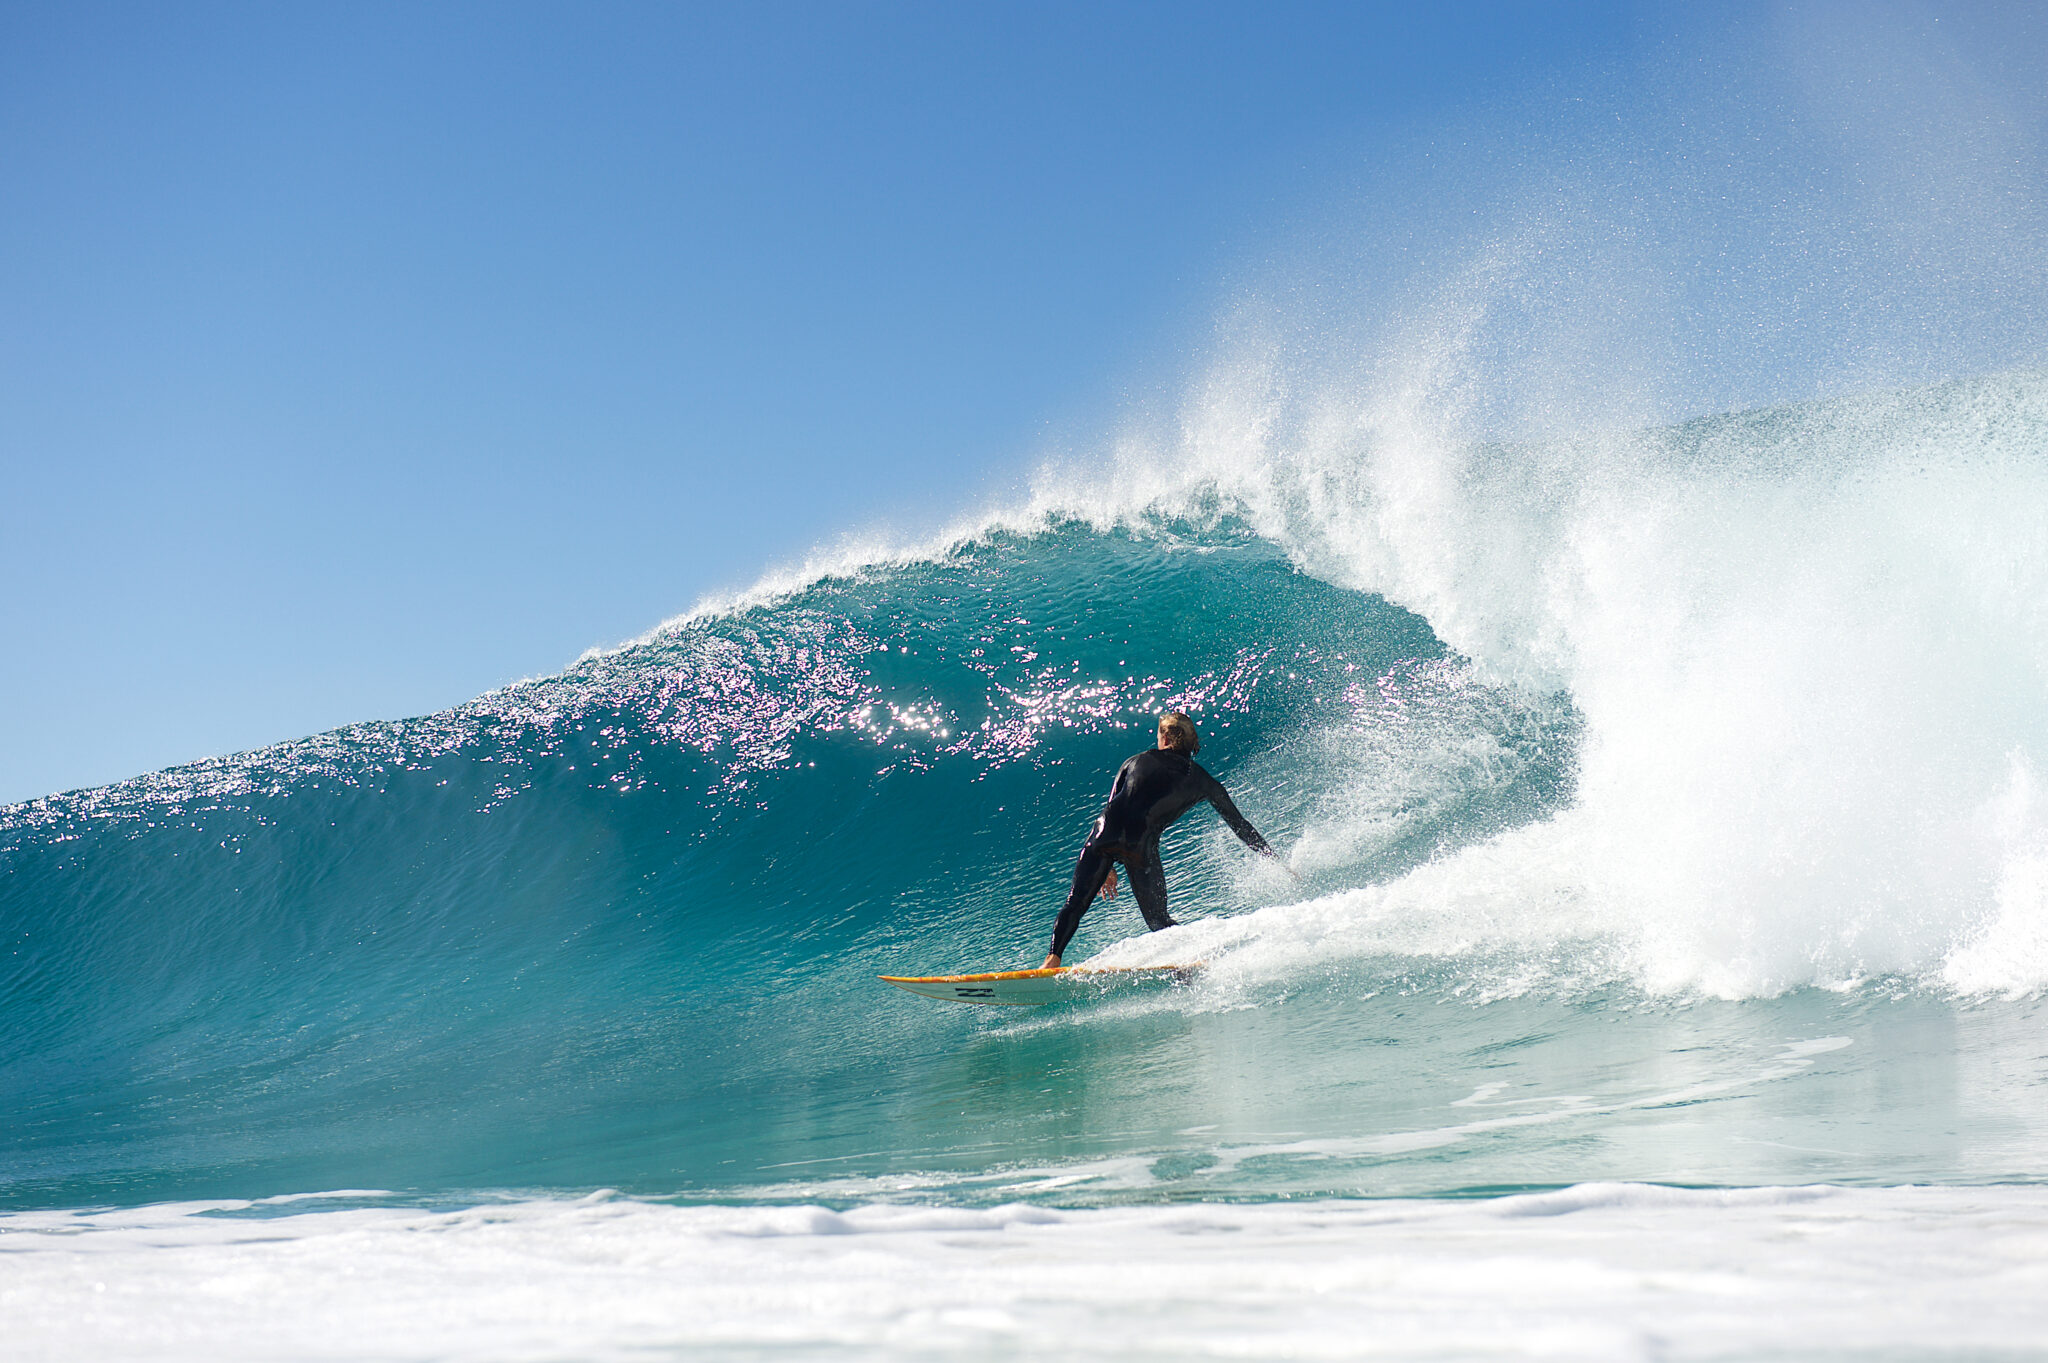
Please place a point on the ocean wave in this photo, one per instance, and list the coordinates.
(1748, 709)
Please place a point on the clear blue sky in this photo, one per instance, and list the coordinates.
(356, 359)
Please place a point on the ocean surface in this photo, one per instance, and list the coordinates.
(1664, 975)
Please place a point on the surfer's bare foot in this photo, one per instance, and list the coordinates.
(1052, 962)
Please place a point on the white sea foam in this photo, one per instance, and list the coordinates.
(1595, 1272)
(1810, 650)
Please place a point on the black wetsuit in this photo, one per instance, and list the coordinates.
(1151, 791)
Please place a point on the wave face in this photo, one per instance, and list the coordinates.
(1666, 807)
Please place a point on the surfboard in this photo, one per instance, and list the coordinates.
(1023, 988)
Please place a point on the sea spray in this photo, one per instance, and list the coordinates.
(1809, 648)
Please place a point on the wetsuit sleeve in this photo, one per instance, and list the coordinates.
(1239, 824)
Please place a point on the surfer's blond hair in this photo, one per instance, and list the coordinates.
(1177, 731)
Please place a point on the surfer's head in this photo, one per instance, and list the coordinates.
(1177, 731)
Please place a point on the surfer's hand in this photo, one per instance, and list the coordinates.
(1108, 890)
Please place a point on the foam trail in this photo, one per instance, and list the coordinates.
(1618, 1272)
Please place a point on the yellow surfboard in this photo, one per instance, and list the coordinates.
(1022, 988)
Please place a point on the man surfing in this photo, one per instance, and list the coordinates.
(1151, 791)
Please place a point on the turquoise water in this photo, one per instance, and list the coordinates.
(1678, 824)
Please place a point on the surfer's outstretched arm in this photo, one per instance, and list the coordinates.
(1239, 824)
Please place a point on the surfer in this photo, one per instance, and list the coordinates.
(1151, 791)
